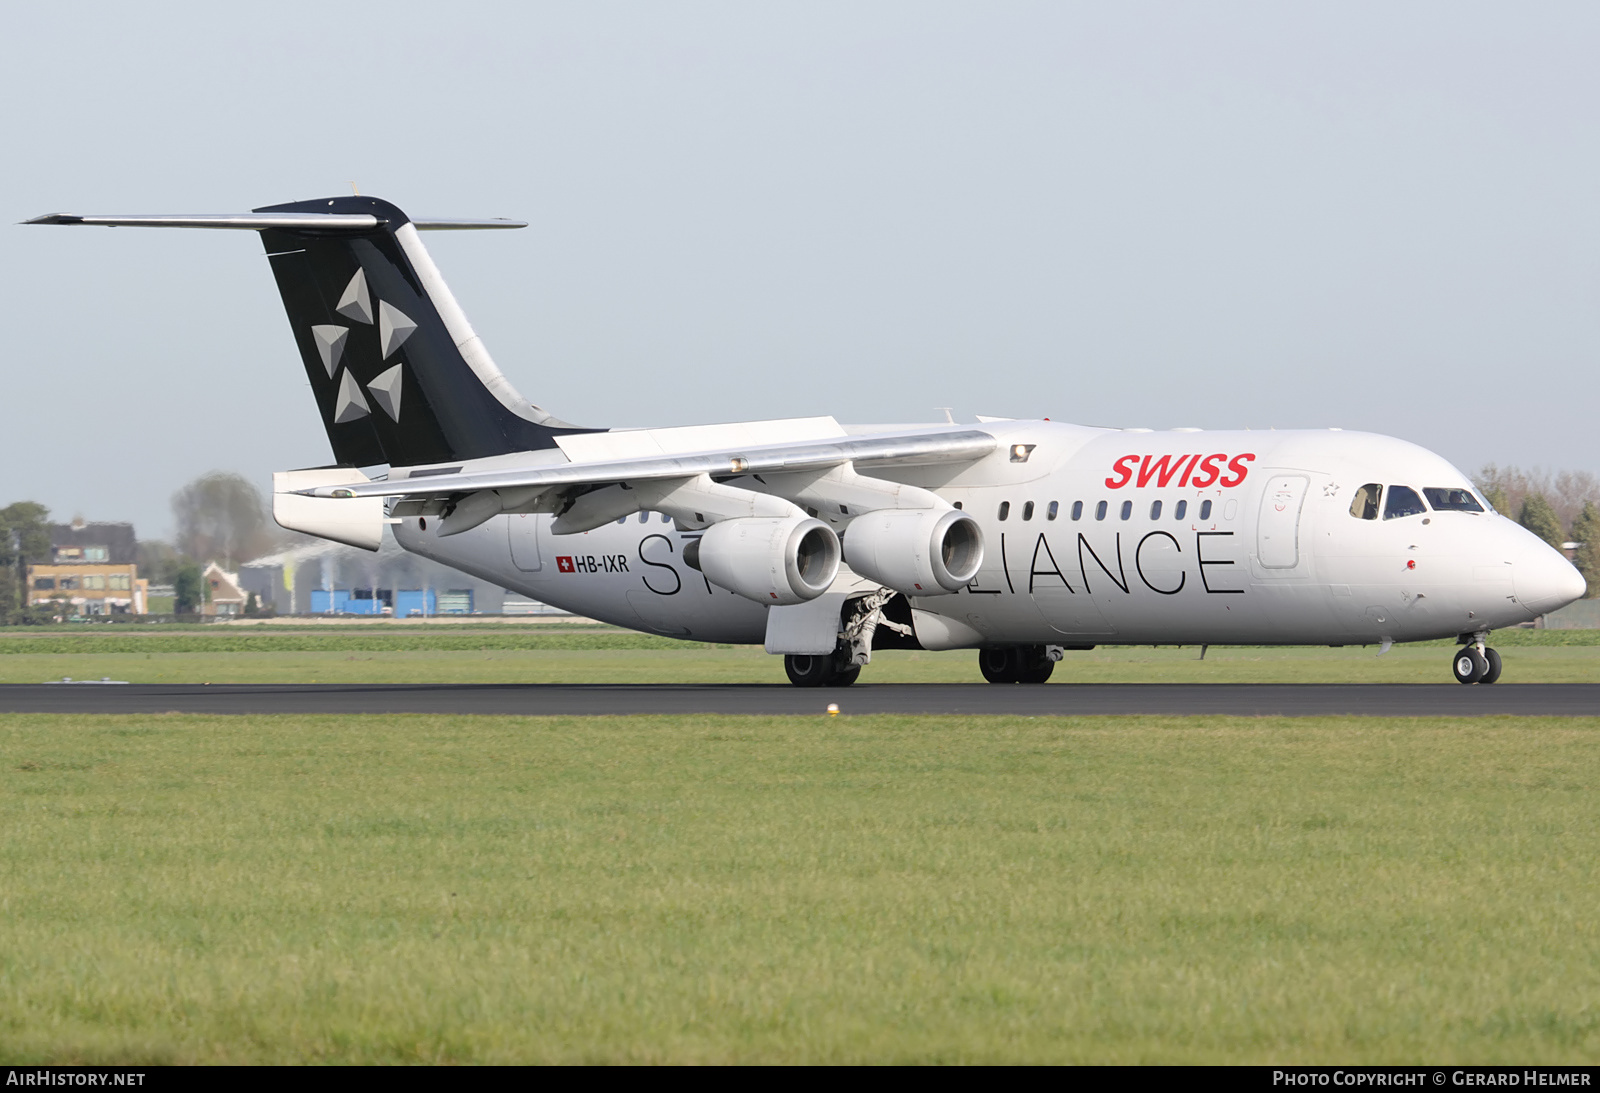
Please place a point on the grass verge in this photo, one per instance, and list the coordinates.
(680, 662)
(722, 889)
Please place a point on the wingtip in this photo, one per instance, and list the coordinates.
(55, 218)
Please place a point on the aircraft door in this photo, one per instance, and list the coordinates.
(1278, 524)
(1073, 616)
(523, 532)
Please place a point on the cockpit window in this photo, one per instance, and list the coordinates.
(1452, 500)
(1364, 505)
(1403, 501)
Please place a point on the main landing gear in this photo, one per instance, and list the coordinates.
(878, 620)
(1018, 663)
(1475, 662)
(824, 670)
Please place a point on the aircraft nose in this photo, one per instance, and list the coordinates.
(1546, 581)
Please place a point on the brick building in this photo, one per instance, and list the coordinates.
(92, 571)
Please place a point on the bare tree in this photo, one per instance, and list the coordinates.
(158, 560)
(1509, 488)
(221, 518)
(1570, 491)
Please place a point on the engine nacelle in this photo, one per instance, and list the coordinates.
(780, 561)
(920, 552)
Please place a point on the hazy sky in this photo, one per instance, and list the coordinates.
(1377, 216)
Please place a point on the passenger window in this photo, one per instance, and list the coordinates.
(644, 518)
(1054, 510)
(665, 519)
(1100, 511)
(1205, 510)
(1155, 510)
(1403, 501)
(1364, 505)
(1077, 510)
(1127, 509)
(1451, 500)
(1005, 509)
(1179, 510)
(1027, 510)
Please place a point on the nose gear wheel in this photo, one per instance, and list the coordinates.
(1470, 666)
(1493, 659)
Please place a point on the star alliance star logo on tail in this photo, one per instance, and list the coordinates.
(394, 327)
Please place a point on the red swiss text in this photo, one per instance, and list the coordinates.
(1195, 470)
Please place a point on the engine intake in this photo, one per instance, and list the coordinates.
(920, 552)
(772, 561)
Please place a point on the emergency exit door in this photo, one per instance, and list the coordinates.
(522, 528)
(1278, 525)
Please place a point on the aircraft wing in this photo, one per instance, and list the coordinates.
(964, 445)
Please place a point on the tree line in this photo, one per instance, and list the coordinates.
(1559, 508)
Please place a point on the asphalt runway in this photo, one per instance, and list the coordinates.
(1290, 700)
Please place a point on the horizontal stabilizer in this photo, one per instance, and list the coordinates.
(359, 525)
(357, 222)
(446, 224)
(398, 374)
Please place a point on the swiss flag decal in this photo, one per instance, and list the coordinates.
(564, 563)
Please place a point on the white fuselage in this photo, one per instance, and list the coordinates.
(1107, 537)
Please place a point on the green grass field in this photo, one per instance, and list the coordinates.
(699, 889)
(592, 655)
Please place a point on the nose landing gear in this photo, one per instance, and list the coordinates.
(1475, 662)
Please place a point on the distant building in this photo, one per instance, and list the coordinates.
(329, 579)
(223, 594)
(80, 541)
(91, 571)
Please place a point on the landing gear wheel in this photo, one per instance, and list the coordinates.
(1025, 664)
(819, 671)
(999, 665)
(1494, 666)
(810, 671)
(1469, 665)
(1035, 665)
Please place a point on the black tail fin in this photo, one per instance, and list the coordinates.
(399, 375)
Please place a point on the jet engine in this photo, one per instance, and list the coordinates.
(920, 552)
(773, 561)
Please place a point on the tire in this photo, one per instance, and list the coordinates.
(1015, 664)
(843, 677)
(809, 671)
(1036, 666)
(1468, 665)
(1494, 666)
(1000, 665)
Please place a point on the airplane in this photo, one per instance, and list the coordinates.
(1020, 539)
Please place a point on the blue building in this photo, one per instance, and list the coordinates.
(323, 578)
(401, 602)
